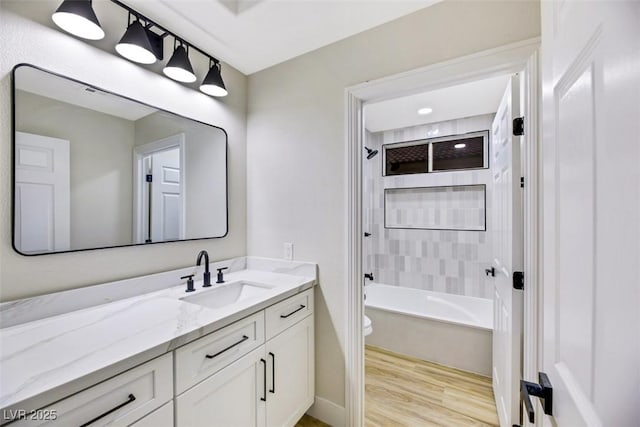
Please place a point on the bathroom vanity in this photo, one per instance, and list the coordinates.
(144, 352)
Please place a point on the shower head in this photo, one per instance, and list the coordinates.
(370, 153)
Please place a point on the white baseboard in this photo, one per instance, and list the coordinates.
(328, 412)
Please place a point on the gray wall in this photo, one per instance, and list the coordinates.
(26, 36)
(101, 177)
(436, 260)
(296, 162)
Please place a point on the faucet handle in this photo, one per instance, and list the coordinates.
(190, 287)
(220, 274)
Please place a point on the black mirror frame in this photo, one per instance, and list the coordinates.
(13, 164)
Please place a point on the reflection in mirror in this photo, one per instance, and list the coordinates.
(95, 170)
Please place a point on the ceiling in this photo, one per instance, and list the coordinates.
(74, 93)
(252, 35)
(454, 102)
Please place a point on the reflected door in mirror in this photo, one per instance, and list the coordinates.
(42, 207)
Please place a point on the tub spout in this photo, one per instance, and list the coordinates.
(368, 276)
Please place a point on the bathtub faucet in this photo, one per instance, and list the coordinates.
(368, 276)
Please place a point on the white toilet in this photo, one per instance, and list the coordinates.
(368, 328)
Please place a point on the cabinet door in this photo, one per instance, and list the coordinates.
(162, 417)
(232, 397)
(290, 379)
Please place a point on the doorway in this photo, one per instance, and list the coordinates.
(159, 190)
(509, 59)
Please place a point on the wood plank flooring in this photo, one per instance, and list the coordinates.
(308, 421)
(403, 391)
(408, 392)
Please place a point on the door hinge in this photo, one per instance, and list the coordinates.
(518, 280)
(149, 178)
(522, 182)
(543, 390)
(518, 126)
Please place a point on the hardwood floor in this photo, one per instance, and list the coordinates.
(307, 421)
(403, 391)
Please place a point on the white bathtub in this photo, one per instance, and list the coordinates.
(452, 330)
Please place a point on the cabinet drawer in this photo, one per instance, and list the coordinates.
(119, 401)
(207, 355)
(282, 315)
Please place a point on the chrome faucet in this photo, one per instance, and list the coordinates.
(207, 274)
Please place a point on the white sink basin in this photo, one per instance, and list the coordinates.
(223, 295)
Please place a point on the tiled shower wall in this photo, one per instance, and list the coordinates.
(438, 260)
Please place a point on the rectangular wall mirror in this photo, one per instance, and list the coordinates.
(93, 169)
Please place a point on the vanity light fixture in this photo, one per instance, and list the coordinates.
(135, 45)
(179, 68)
(140, 44)
(78, 18)
(460, 145)
(212, 83)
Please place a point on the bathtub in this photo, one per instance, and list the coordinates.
(452, 330)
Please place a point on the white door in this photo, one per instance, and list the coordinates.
(42, 194)
(166, 196)
(591, 222)
(233, 397)
(508, 257)
(291, 389)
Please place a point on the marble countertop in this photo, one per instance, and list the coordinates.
(49, 358)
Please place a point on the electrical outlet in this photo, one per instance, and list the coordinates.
(288, 251)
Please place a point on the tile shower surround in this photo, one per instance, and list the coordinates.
(437, 260)
(460, 207)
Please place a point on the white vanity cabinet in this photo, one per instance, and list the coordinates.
(162, 417)
(290, 379)
(119, 401)
(231, 397)
(271, 385)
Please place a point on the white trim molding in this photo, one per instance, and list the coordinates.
(328, 412)
(532, 172)
(354, 381)
(511, 58)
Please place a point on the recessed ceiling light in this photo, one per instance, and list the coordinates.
(424, 111)
(459, 145)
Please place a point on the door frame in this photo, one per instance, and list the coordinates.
(512, 58)
(139, 189)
